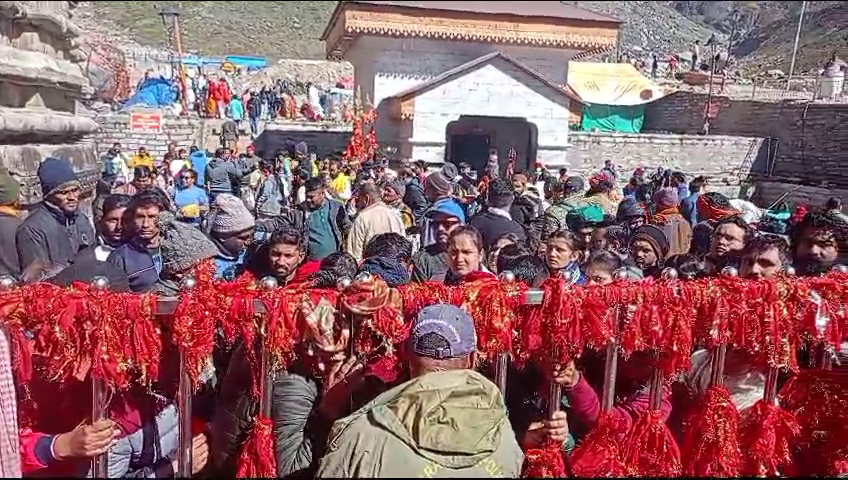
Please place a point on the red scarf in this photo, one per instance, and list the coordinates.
(663, 216)
(711, 211)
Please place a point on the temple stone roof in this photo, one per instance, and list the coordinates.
(541, 23)
(523, 9)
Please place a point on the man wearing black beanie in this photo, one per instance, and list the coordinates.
(649, 246)
(55, 231)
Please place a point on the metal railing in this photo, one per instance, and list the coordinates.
(168, 306)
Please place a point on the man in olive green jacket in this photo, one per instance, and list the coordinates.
(448, 421)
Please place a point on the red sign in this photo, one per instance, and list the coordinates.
(146, 122)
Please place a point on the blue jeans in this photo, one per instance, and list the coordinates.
(254, 125)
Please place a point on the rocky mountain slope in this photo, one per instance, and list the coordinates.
(823, 32)
(763, 31)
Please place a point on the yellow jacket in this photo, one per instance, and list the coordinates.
(141, 161)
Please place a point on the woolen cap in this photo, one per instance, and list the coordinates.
(628, 208)
(55, 174)
(231, 216)
(655, 237)
(439, 183)
(398, 186)
(666, 198)
(183, 246)
(10, 189)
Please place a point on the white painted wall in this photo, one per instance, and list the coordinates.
(497, 89)
(392, 65)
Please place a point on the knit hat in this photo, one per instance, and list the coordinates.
(440, 184)
(301, 149)
(10, 189)
(573, 185)
(450, 171)
(655, 237)
(231, 216)
(629, 208)
(398, 186)
(55, 174)
(666, 198)
(183, 246)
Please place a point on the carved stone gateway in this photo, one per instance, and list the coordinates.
(41, 83)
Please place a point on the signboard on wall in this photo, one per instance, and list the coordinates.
(146, 122)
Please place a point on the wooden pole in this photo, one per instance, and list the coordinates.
(179, 47)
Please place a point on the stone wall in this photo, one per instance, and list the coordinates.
(40, 86)
(185, 132)
(810, 137)
(723, 159)
(205, 133)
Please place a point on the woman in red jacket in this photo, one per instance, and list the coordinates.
(465, 257)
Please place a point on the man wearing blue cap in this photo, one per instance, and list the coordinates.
(448, 421)
(55, 231)
(431, 262)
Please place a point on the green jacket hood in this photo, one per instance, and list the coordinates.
(453, 418)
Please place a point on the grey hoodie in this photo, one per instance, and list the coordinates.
(224, 176)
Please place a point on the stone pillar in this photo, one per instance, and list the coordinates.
(41, 84)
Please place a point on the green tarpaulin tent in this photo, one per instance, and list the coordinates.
(613, 118)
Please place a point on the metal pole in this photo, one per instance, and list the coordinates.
(795, 48)
(610, 371)
(501, 366)
(99, 464)
(99, 393)
(185, 439)
(266, 375)
(179, 47)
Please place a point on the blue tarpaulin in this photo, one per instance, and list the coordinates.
(247, 62)
(154, 92)
(196, 61)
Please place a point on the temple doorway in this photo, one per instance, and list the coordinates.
(472, 148)
(470, 138)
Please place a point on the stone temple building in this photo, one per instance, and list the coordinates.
(41, 83)
(452, 80)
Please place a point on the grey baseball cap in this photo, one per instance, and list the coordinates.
(451, 323)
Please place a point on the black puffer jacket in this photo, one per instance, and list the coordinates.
(415, 199)
(524, 210)
(51, 235)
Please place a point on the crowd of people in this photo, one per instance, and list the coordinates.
(302, 219)
(212, 96)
